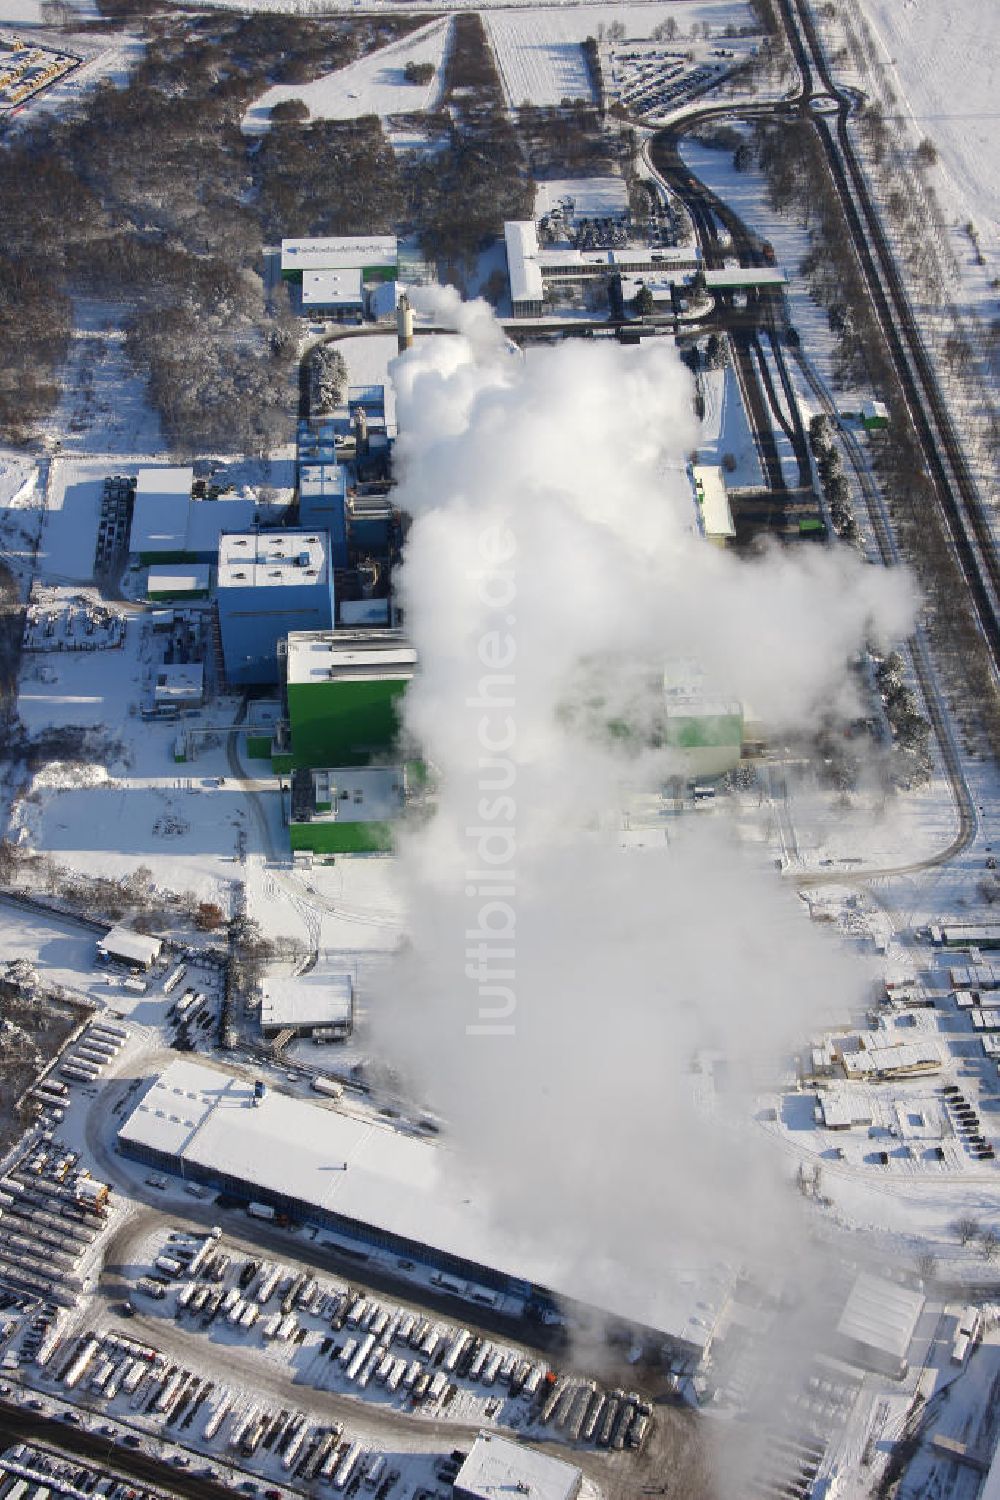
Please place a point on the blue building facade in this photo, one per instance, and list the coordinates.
(322, 498)
(270, 582)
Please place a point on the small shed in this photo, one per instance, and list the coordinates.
(122, 945)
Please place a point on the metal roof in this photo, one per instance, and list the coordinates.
(401, 1185)
(498, 1468)
(881, 1315)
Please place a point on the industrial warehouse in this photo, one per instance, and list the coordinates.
(394, 1191)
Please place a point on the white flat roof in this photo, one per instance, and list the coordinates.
(189, 580)
(364, 794)
(272, 559)
(165, 483)
(881, 1314)
(357, 655)
(498, 1468)
(592, 197)
(302, 1000)
(404, 1185)
(122, 942)
(746, 276)
(341, 288)
(321, 479)
(339, 252)
(712, 500)
(179, 680)
(159, 522)
(874, 1059)
(523, 271)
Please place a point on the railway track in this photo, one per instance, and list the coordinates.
(954, 484)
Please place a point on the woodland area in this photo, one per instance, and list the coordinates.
(149, 196)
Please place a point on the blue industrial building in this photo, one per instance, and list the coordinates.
(322, 498)
(270, 582)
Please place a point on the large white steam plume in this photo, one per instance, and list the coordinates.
(558, 996)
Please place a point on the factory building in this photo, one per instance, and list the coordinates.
(168, 526)
(123, 946)
(532, 267)
(705, 733)
(497, 1468)
(322, 504)
(337, 294)
(343, 689)
(178, 685)
(270, 583)
(317, 1004)
(713, 513)
(376, 257)
(396, 1191)
(878, 1323)
(347, 811)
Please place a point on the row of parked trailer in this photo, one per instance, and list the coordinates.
(111, 1365)
(589, 1415)
(26, 1471)
(44, 1232)
(98, 1045)
(308, 1453)
(414, 1359)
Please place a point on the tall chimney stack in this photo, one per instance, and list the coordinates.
(404, 324)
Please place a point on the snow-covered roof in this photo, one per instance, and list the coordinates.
(746, 276)
(122, 942)
(523, 270)
(324, 480)
(881, 1315)
(339, 252)
(354, 655)
(497, 1468)
(712, 501)
(358, 794)
(340, 288)
(876, 1060)
(208, 519)
(165, 483)
(307, 1000)
(591, 197)
(189, 580)
(273, 559)
(402, 1185)
(179, 682)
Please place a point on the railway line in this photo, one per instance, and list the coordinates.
(968, 527)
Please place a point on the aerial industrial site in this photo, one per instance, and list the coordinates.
(500, 637)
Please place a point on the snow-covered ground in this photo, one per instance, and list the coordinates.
(31, 12)
(944, 58)
(374, 85)
(103, 408)
(725, 430)
(539, 50)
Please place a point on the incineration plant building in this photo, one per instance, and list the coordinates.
(270, 582)
(343, 689)
(379, 1187)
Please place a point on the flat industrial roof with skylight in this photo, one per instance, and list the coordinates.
(359, 655)
(388, 1188)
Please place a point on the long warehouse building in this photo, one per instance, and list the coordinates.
(396, 1192)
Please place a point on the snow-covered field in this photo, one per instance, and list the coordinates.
(944, 58)
(374, 85)
(30, 12)
(539, 51)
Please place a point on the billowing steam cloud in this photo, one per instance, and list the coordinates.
(558, 997)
